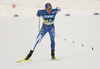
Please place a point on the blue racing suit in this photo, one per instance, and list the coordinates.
(48, 26)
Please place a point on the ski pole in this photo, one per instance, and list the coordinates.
(39, 24)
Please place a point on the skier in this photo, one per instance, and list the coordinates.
(48, 15)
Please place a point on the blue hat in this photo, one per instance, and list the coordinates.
(47, 5)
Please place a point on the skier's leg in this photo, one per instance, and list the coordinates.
(39, 38)
(52, 38)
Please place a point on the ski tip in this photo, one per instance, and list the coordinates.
(24, 60)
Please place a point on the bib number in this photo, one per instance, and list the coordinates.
(49, 20)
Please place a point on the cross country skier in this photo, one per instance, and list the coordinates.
(48, 26)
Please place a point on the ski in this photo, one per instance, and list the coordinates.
(55, 59)
(24, 60)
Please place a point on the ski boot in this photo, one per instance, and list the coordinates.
(29, 55)
(53, 54)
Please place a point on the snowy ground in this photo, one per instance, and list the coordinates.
(76, 36)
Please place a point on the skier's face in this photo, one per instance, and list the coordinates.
(49, 9)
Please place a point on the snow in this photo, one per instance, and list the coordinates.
(18, 34)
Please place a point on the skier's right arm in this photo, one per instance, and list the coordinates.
(38, 13)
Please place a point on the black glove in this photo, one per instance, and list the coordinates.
(38, 15)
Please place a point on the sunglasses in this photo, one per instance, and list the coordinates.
(49, 9)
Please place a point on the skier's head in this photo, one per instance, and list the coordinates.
(48, 7)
